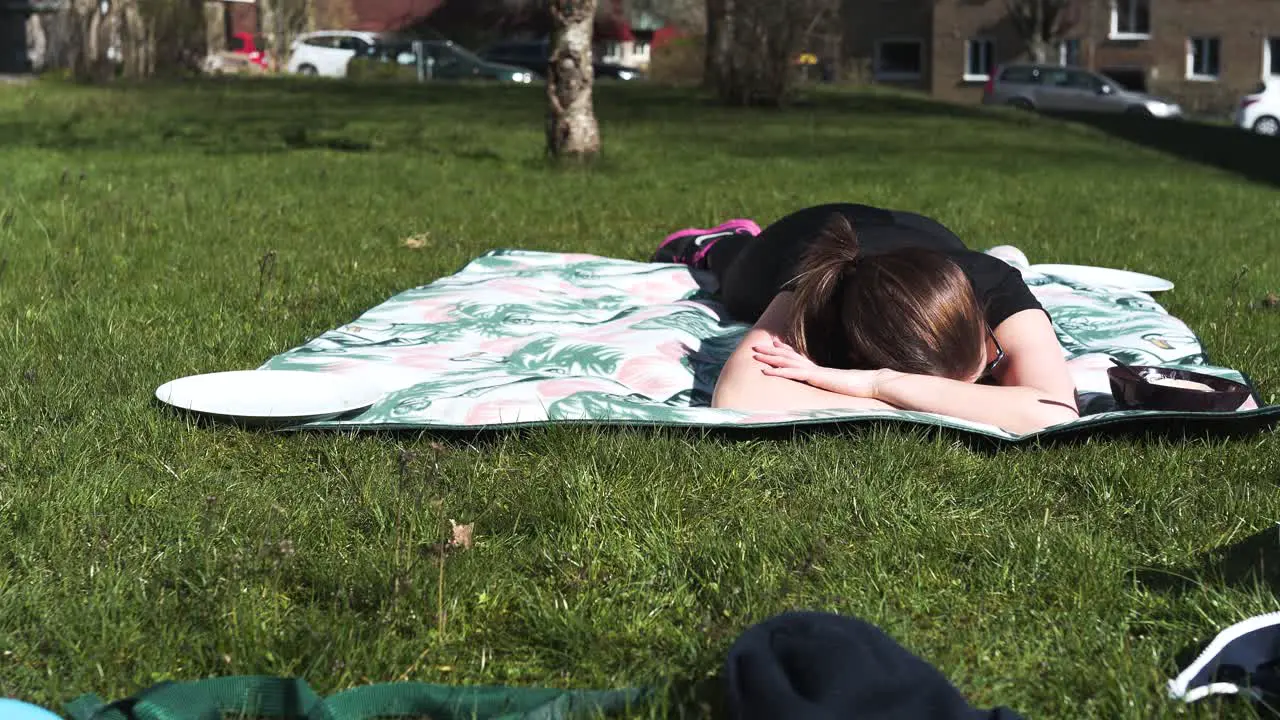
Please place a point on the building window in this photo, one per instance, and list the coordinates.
(611, 51)
(1202, 58)
(1271, 59)
(1069, 52)
(979, 61)
(899, 59)
(1130, 18)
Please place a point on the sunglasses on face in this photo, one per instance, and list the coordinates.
(995, 362)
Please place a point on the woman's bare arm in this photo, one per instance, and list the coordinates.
(1036, 389)
(742, 384)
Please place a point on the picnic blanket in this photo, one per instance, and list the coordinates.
(521, 338)
(279, 698)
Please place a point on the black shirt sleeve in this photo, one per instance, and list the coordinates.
(999, 287)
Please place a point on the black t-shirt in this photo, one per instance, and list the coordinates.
(767, 263)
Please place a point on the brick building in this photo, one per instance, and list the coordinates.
(1205, 53)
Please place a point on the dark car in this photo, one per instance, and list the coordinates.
(533, 54)
(446, 60)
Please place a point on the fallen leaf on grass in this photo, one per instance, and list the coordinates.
(416, 242)
(461, 534)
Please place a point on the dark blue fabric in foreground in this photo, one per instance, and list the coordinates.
(1243, 660)
(820, 666)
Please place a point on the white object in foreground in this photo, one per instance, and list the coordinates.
(1106, 277)
(270, 395)
(1246, 648)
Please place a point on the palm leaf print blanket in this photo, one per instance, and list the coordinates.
(522, 338)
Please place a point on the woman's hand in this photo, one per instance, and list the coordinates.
(783, 361)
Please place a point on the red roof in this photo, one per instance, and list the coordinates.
(386, 15)
(391, 15)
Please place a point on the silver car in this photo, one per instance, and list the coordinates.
(1062, 88)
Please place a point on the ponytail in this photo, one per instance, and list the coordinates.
(912, 309)
(815, 314)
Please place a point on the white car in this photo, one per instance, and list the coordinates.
(327, 52)
(1260, 112)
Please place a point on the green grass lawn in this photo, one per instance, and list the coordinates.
(136, 546)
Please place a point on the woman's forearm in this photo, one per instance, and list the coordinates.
(743, 384)
(777, 395)
(1016, 409)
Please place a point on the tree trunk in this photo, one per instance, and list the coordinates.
(713, 62)
(1038, 44)
(572, 130)
(139, 42)
(719, 39)
(37, 43)
(1040, 48)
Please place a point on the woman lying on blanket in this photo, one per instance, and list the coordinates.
(864, 308)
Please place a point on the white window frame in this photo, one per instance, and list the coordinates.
(1191, 57)
(968, 53)
(1062, 50)
(878, 74)
(1115, 33)
(612, 51)
(1269, 57)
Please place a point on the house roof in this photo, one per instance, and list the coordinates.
(393, 15)
(383, 15)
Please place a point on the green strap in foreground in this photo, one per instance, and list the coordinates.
(293, 699)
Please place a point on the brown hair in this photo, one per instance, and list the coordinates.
(912, 310)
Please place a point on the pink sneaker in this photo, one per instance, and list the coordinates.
(690, 245)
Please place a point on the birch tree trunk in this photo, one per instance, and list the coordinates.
(1039, 46)
(572, 130)
(282, 21)
(1041, 24)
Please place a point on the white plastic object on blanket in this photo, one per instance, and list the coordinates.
(270, 395)
(1106, 277)
(1011, 255)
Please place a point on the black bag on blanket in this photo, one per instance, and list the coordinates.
(819, 666)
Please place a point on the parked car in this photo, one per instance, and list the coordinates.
(1071, 89)
(445, 60)
(246, 44)
(533, 55)
(327, 52)
(1260, 110)
(243, 55)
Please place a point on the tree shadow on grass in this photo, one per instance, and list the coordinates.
(1247, 154)
(902, 103)
(251, 116)
(1251, 562)
(256, 115)
(967, 148)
